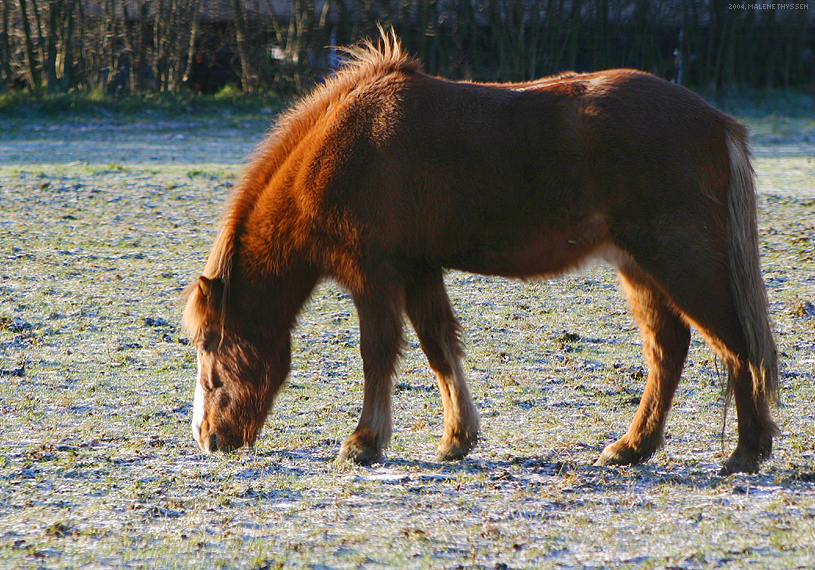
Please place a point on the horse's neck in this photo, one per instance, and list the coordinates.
(271, 300)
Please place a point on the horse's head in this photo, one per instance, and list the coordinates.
(239, 370)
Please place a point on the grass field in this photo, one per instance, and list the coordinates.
(104, 220)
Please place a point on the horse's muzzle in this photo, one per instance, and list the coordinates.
(207, 443)
(210, 443)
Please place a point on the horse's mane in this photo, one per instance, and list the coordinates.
(368, 62)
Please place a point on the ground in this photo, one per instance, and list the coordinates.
(105, 219)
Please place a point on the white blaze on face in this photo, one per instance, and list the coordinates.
(198, 405)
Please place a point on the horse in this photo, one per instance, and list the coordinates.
(385, 177)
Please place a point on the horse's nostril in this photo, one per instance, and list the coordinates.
(213, 442)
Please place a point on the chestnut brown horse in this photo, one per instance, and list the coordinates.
(384, 177)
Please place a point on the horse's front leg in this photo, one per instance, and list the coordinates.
(429, 309)
(380, 328)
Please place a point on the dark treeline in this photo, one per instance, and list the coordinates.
(134, 46)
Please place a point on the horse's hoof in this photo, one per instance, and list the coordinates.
(455, 448)
(355, 452)
(748, 455)
(741, 463)
(620, 453)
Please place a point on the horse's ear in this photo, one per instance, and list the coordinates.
(211, 289)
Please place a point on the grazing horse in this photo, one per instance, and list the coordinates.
(384, 177)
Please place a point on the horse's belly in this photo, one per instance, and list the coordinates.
(539, 252)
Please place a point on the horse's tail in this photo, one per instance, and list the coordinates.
(746, 283)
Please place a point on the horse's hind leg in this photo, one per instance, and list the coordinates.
(666, 338)
(429, 310)
(692, 270)
(714, 313)
(756, 427)
(380, 328)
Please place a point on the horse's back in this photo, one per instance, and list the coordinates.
(516, 179)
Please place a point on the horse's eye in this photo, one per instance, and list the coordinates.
(212, 381)
(209, 346)
(215, 380)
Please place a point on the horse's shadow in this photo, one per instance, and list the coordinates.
(571, 472)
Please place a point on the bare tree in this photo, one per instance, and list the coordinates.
(143, 45)
(193, 39)
(54, 11)
(248, 76)
(32, 71)
(5, 48)
(67, 43)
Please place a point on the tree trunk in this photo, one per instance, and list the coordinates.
(5, 46)
(345, 22)
(158, 48)
(54, 9)
(247, 74)
(32, 73)
(600, 33)
(276, 25)
(140, 65)
(725, 24)
(171, 56)
(67, 59)
(692, 40)
(191, 45)
(574, 33)
(107, 63)
(40, 39)
(82, 76)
